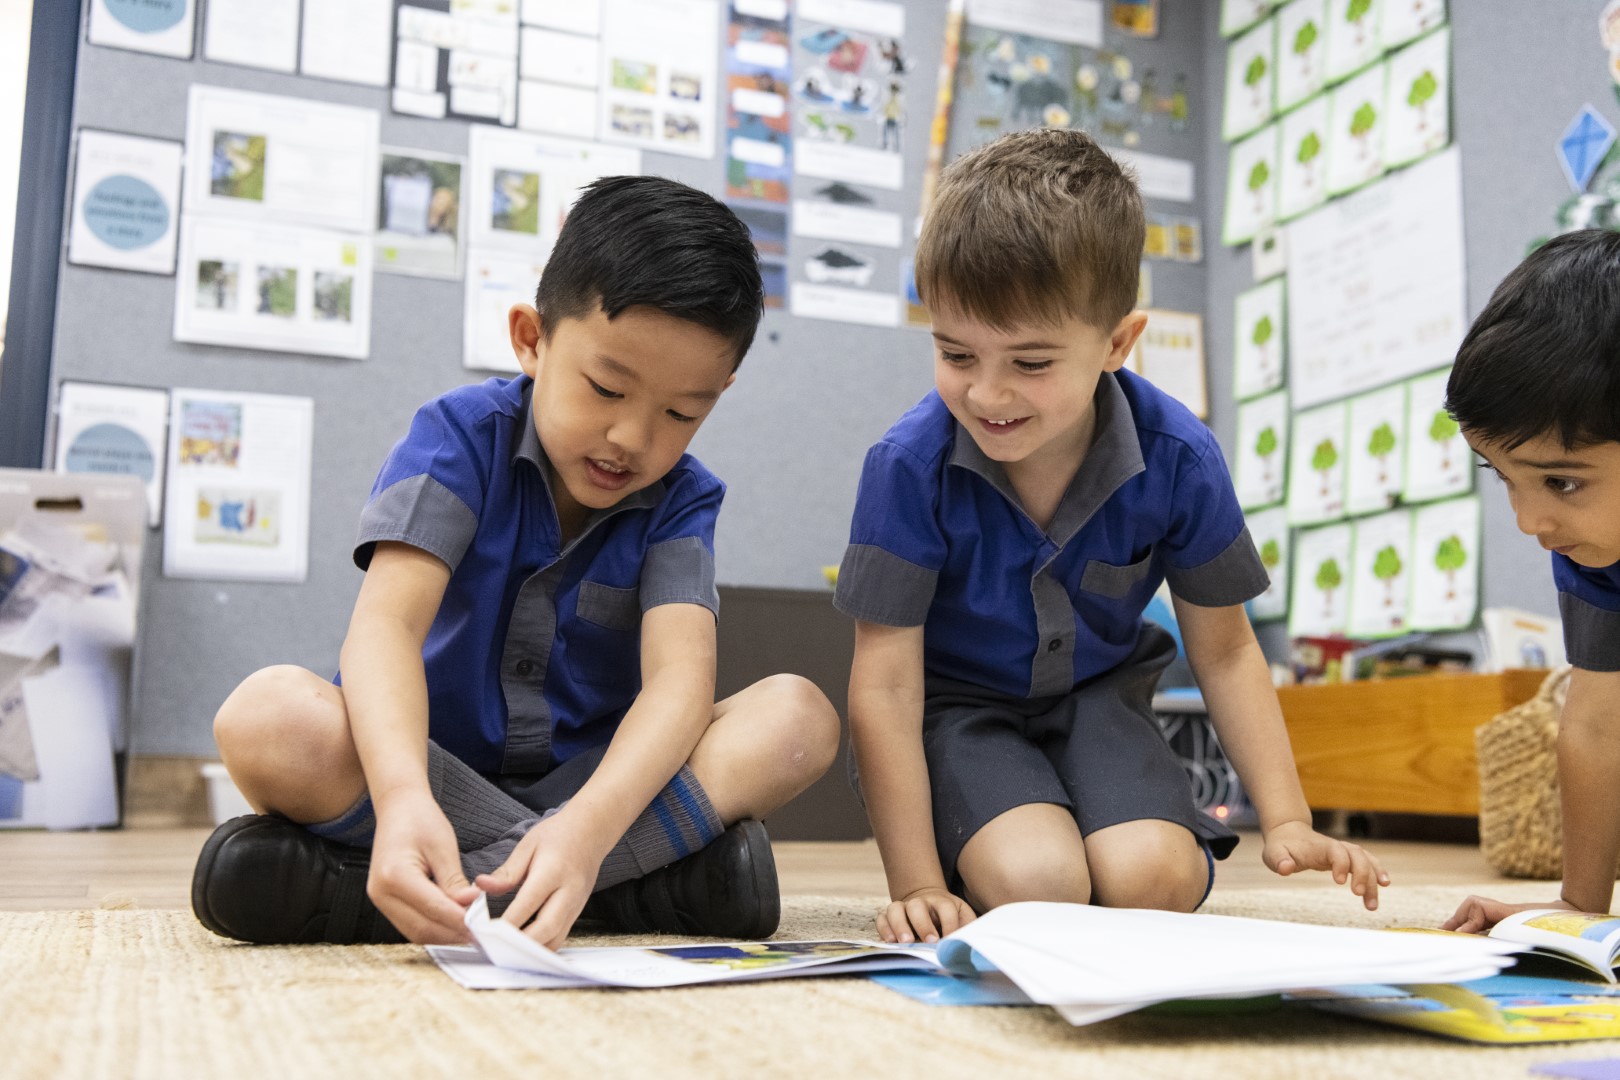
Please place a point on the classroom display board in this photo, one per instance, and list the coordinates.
(1337, 120)
(313, 215)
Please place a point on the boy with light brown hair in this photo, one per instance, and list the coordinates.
(1008, 532)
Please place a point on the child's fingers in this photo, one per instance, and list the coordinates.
(446, 870)
(554, 919)
(921, 919)
(1364, 876)
(1339, 859)
(885, 930)
(417, 907)
(948, 912)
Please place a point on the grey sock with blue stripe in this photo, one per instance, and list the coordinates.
(679, 821)
(480, 812)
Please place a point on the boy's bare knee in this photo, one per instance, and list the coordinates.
(281, 730)
(1012, 877)
(804, 724)
(1163, 881)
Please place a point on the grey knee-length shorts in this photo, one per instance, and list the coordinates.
(1096, 750)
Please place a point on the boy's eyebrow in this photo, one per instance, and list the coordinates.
(1022, 346)
(627, 372)
(1561, 464)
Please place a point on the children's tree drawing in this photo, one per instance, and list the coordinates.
(1451, 557)
(1323, 458)
(1362, 122)
(1422, 92)
(1271, 554)
(1266, 446)
(1443, 430)
(1310, 148)
(1257, 184)
(1262, 335)
(1253, 76)
(1328, 578)
(1304, 38)
(1356, 14)
(1380, 445)
(1387, 567)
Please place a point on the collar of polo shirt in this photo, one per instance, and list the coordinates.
(1115, 456)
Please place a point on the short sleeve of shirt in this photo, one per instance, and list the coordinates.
(1210, 559)
(1589, 602)
(679, 564)
(431, 489)
(896, 548)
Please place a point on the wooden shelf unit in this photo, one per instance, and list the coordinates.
(1401, 745)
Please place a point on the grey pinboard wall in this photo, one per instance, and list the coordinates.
(1520, 73)
(788, 439)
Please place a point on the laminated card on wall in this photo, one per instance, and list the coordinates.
(239, 474)
(126, 202)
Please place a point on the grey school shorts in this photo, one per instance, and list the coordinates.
(1096, 750)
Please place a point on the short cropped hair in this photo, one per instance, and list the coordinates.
(633, 241)
(1543, 358)
(1034, 228)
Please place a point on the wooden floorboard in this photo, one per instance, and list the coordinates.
(151, 868)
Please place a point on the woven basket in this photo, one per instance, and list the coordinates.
(1520, 825)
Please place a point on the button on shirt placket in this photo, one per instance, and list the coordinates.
(1052, 671)
(524, 662)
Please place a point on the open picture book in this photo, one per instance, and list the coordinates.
(1501, 1010)
(1591, 941)
(1090, 963)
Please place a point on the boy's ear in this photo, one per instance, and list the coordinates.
(1122, 339)
(528, 338)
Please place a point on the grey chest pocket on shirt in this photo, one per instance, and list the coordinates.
(616, 609)
(1114, 582)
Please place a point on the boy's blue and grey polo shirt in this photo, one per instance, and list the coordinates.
(535, 654)
(1589, 602)
(941, 540)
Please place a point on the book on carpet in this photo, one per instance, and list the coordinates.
(1591, 941)
(1088, 962)
(1503, 1009)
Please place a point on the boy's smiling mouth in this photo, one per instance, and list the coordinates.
(1001, 427)
(606, 474)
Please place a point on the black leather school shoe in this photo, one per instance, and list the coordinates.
(728, 890)
(266, 880)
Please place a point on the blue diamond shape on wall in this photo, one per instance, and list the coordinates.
(1582, 146)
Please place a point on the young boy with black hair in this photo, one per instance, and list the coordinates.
(1009, 531)
(527, 691)
(1536, 390)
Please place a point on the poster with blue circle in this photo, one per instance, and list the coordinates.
(164, 27)
(126, 194)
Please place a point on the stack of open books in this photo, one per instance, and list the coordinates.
(1090, 963)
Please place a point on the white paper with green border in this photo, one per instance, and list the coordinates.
(1356, 132)
(1319, 602)
(1438, 461)
(1250, 62)
(1409, 20)
(1301, 52)
(1238, 15)
(1269, 530)
(1302, 159)
(1445, 558)
(1251, 187)
(1262, 450)
(1417, 105)
(1352, 33)
(1377, 445)
(1259, 362)
(1316, 464)
(1381, 578)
